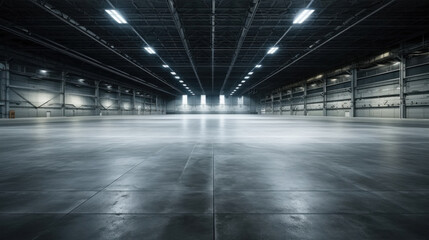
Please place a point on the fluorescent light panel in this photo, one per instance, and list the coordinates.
(250, 73)
(177, 77)
(302, 16)
(149, 50)
(165, 66)
(246, 77)
(116, 15)
(258, 66)
(173, 73)
(272, 50)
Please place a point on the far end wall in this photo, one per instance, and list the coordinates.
(233, 104)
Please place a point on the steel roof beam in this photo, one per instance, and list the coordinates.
(23, 33)
(249, 19)
(66, 19)
(310, 50)
(185, 43)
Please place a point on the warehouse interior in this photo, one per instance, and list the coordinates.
(214, 119)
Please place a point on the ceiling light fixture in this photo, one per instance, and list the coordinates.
(246, 77)
(250, 73)
(165, 66)
(149, 50)
(173, 73)
(116, 15)
(177, 77)
(258, 66)
(302, 16)
(272, 50)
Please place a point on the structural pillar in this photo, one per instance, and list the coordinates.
(325, 98)
(156, 105)
(402, 84)
(119, 100)
(281, 102)
(144, 103)
(97, 98)
(4, 88)
(272, 104)
(134, 103)
(291, 102)
(305, 99)
(63, 93)
(150, 106)
(353, 85)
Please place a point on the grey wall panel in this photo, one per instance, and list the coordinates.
(379, 113)
(314, 113)
(33, 95)
(421, 112)
(337, 113)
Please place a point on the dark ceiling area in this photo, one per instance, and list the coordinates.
(213, 44)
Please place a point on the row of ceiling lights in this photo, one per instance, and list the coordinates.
(300, 18)
(121, 20)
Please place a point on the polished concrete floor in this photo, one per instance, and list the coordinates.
(214, 177)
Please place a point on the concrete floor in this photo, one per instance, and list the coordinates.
(214, 176)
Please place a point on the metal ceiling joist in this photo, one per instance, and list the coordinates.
(249, 19)
(173, 10)
(66, 19)
(64, 50)
(312, 49)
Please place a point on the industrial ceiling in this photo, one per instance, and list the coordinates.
(212, 45)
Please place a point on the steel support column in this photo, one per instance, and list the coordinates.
(4, 90)
(63, 93)
(156, 105)
(272, 104)
(133, 104)
(119, 100)
(150, 106)
(144, 103)
(291, 101)
(325, 98)
(402, 82)
(281, 102)
(353, 85)
(305, 99)
(97, 98)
